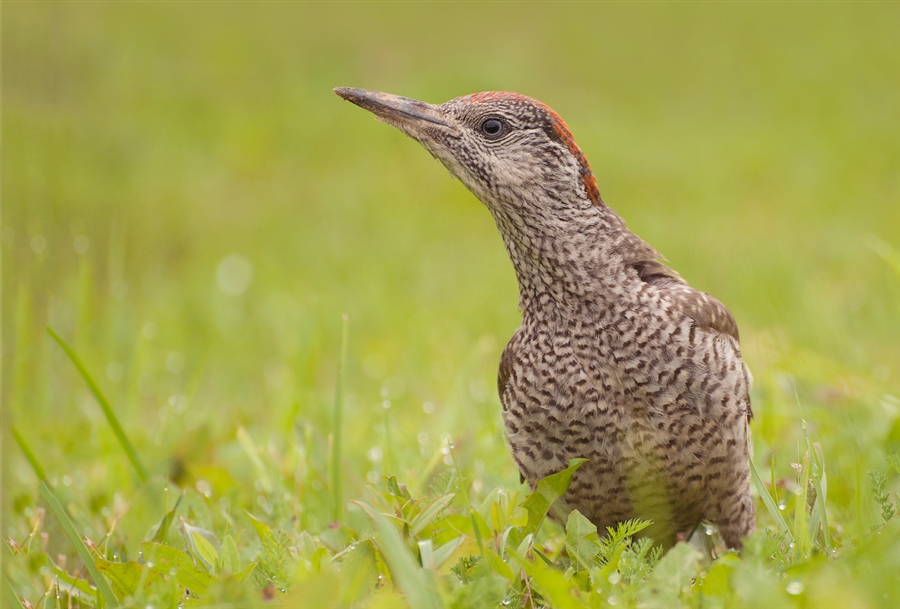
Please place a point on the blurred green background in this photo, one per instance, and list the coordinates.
(189, 205)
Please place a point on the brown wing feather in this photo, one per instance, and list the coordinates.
(707, 312)
(506, 366)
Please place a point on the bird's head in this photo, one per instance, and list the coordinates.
(505, 147)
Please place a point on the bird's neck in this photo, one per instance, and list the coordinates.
(563, 255)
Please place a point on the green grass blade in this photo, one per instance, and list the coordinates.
(774, 512)
(104, 404)
(337, 498)
(802, 540)
(416, 583)
(12, 599)
(820, 484)
(32, 459)
(252, 452)
(85, 555)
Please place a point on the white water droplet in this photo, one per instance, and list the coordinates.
(234, 274)
(38, 244)
(81, 244)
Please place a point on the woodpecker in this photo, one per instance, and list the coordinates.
(618, 360)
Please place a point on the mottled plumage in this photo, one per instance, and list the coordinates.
(618, 360)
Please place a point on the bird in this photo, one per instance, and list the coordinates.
(618, 360)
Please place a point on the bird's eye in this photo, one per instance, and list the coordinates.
(493, 127)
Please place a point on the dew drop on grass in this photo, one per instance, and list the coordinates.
(149, 330)
(80, 479)
(118, 289)
(178, 403)
(613, 600)
(114, 371)
(175, 362)
(615, 577)
(375, 454)
(234, 274)
(478, 391)
(794, 587)
(428, 407)
(81, 244)
(393, 388)
(38, 244)
(204, 488)
(386, 404)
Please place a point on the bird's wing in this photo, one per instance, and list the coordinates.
(506, 366)
(707, 312)
(708, 315)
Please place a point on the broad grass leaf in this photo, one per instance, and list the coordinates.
(128, 578)
(582, 542)
(162, 529)
(76, 587)
(488, 590)
(360, 573)
(671, 577)
(205, 550)
(417, 584)
(245, 572)
(398, 490)
(548, 490)
(717, 583)
(262, 529)
(165, 559)
(428, 514)
(231, 560)
(499, 566)
(443, 553)
(553, 586)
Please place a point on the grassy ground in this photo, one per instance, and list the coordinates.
(193, 211)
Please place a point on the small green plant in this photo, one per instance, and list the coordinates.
(889, 508)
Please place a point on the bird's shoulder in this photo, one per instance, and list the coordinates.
(707, 313)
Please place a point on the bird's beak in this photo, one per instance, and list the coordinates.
(393, 108)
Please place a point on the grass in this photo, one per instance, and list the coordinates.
(285, 318)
